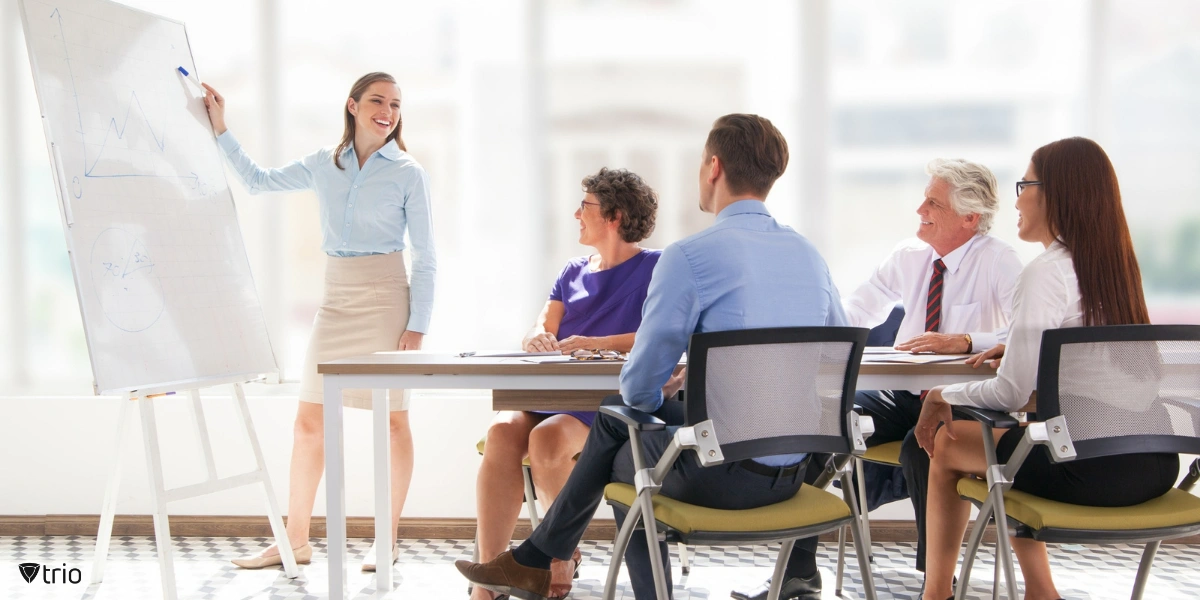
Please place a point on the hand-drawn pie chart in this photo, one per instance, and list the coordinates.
(130, 294)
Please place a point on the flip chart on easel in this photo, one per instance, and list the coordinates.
(160, 267)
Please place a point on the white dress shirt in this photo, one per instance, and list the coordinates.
(977, 290)
(1047, 297)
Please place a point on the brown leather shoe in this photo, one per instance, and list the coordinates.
(506, 576)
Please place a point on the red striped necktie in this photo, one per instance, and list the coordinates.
(933, 307)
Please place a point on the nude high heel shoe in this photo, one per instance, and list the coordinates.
(303, 556)
(369, 560)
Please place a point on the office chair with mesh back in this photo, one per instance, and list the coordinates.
(1102, 391)
(751, 393)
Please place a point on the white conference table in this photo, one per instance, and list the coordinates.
(516, 385)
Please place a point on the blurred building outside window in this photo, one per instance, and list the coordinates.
(636, 85)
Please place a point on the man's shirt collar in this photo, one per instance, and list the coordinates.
(954, 259)
(743, 207)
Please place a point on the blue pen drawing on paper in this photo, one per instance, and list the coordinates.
(191, 179)
(163, 280)
(130, 294)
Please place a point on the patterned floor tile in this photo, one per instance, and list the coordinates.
(426, 570)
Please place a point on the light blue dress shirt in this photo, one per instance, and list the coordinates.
(362, 211)
(746, 271)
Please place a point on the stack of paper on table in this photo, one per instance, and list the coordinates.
(884, 354)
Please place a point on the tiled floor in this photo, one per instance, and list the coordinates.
(426, 570)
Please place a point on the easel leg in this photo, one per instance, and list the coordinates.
(210, 462)
(109, 509)
(383, 490)
(162, 529)
(273, 515)
(335, 488)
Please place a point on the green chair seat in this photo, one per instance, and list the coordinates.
(1176, 508)
(483, 444)
(888, 454)
(809, 507)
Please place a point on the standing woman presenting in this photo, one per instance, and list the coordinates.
(370, 191)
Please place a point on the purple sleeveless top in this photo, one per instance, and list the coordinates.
(603, 303)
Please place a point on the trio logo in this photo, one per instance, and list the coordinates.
(29, 572)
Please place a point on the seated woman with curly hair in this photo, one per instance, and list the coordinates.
(595, 304)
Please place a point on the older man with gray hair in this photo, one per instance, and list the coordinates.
(956, 284)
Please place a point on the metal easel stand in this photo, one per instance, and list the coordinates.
(161, 496)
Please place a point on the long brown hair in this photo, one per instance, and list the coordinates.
(356, 91)
(1083, 208)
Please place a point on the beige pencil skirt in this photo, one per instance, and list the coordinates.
(364, 310)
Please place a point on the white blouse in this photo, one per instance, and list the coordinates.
(1046, 297)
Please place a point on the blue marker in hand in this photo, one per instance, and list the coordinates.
(186, 76)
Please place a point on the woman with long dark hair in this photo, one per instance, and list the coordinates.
(371, 191)
(1069, 202)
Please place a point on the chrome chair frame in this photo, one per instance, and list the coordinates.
(1055, 436)
(701, 438)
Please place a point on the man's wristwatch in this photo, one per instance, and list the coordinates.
(970, 344)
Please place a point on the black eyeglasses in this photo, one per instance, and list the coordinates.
(583, 204)
(1023, 183)
(583, 354)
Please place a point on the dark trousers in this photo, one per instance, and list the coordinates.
(895, 414)
(607, 457)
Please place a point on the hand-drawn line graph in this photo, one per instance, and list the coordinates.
(130, 294)
(192, 179)
(164, 284)
(89, 170)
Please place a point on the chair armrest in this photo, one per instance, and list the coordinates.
(1052, 434)
(641, 421)
(1192, 477)
(699, 438)
(991, 418)
(866, 424)
(861, 428)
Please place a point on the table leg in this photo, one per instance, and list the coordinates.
(335, 488)
(383, 491)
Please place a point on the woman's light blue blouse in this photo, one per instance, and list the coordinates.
(363, 211)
